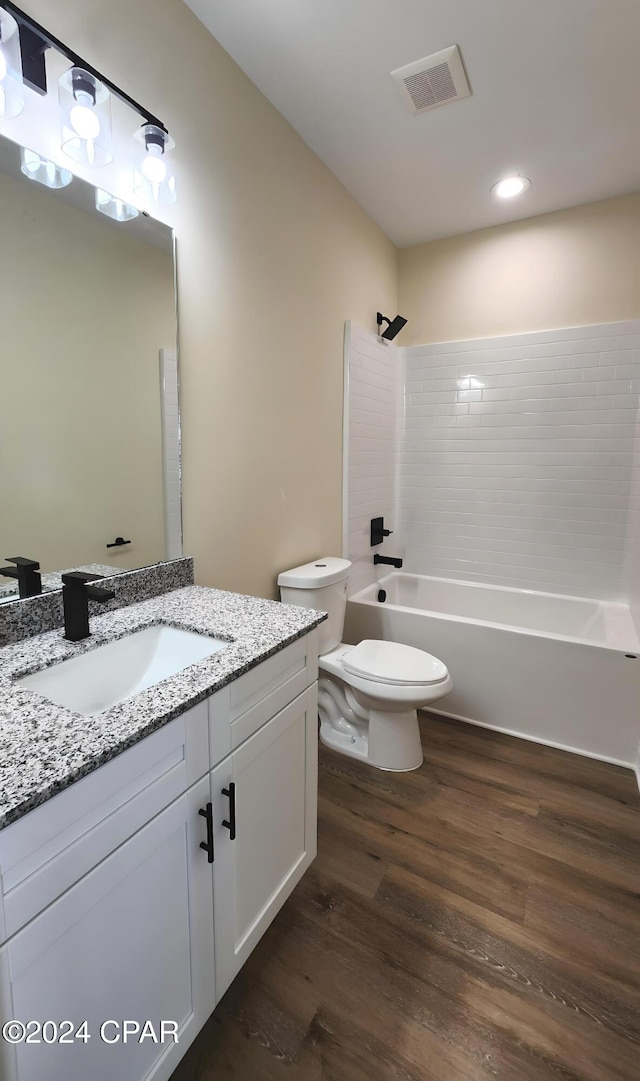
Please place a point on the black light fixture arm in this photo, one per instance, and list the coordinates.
(34, 42)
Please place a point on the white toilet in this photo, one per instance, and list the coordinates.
(367, 694)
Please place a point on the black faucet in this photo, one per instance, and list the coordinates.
(26, 571)
(390, 562)
(76, 594)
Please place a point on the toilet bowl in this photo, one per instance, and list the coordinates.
(368, 694)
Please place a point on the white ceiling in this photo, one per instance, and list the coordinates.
(556, 97)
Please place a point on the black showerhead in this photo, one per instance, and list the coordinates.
(394, 326)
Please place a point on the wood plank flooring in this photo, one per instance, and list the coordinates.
(476, 919)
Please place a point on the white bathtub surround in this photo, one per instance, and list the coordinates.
(518, 460)
(549, 668)
(373, 419)
(632, 554)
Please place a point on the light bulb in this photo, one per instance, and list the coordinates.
(154, 169)
(510, 186)
(3, 65)
(84, 122)
(85, 118)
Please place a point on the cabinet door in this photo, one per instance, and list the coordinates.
(272, 780)
(130, 942)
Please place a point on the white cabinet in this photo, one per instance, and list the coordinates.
(264, 799)
(110, 909)
(130, 941)
(46, 851)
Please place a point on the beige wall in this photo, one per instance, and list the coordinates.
(273, 256)
(570, 268)
(86, 307)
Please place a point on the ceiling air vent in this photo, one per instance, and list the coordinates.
(433, 81)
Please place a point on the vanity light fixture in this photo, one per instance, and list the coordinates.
(154, 169)
(114, 208)
(40, 169)
(11, 85)
(85, 105)
(511, 186)
(85, 101)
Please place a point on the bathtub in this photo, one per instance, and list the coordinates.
(564, 671)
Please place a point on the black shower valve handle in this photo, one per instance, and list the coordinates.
(378, 532)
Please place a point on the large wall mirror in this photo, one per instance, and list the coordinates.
(89, 422)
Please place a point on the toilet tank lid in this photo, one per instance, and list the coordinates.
(322, 572)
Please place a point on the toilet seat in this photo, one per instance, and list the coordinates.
(394, 664)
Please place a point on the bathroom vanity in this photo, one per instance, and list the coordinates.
(144, 850)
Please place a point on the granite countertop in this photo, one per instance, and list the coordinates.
(44, 747)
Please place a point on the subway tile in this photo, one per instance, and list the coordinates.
(625, 371)
(615, 386)
(596, 374)
(427, 411)
(525, 481)
(619, 356)
(437, 397)
(558, 390)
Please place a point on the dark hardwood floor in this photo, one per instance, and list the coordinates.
(476, 919)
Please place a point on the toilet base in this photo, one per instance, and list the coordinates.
(358, 747)
(386, 740)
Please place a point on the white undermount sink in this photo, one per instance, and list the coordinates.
(110, 674)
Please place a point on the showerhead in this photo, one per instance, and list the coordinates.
(393, 328)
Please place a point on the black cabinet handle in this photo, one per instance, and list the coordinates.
(119, 542)
(208, 844)
(231, 823)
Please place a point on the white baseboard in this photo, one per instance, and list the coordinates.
(545, 742)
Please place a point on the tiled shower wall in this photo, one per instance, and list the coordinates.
(517, 460)
(372, 444)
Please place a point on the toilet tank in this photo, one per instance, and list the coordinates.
(321, 585)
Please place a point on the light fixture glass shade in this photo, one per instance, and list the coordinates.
(85, 108)
(40, 169)
(11, 85)
(113, 207)
(154, 166)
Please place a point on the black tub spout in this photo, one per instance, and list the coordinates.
(388, 560)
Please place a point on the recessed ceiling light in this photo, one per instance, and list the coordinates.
(510, 186)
